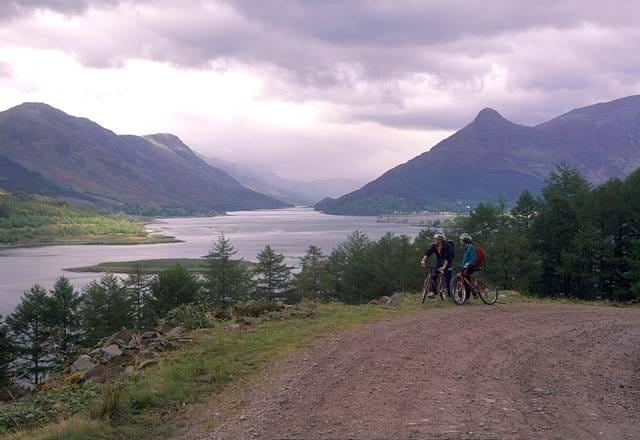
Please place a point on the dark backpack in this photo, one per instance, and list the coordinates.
(480, 254)
(453, 249)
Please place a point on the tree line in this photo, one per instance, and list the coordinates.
(573, 240)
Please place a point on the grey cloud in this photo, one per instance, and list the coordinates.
(14, 8)
(363, 55)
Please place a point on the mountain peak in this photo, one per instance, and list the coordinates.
(488, 114)
(34, 107)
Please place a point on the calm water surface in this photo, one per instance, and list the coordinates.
(289, 231)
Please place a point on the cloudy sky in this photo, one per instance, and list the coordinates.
(315, 89)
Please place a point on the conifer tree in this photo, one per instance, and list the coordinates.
(31, 335)
(7, 350)
(63, 317)
(106, 308)
(309, 280)
(350, 273)
(138, 286)
(226, 280)
(173, 287)
(273, 277)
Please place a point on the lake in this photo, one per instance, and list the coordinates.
(289, 231)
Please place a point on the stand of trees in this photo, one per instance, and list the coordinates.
(48, 329)
(574, 240)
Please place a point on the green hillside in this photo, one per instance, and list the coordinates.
(40, 220)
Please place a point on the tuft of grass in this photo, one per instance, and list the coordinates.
(109, 404)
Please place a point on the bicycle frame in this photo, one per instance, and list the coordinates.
(466, 279)
(430, 284)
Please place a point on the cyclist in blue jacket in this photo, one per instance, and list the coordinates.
(470, 257)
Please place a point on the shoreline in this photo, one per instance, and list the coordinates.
(150, 266)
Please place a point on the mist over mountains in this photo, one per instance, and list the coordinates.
(493, 156)
(297, 192)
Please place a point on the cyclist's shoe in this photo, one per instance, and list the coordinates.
(431, 295)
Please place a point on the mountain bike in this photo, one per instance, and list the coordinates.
(441, 285)
(462, 287)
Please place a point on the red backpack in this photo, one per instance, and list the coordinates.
(480, 254)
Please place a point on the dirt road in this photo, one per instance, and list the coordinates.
(476, 372)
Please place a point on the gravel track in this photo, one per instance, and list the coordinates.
(519, 371)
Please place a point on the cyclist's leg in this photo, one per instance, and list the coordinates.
(447, 279)
(434, 278)
(468, 271)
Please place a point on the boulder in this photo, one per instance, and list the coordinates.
(149, 335)
(122, 337)
(175, 332)
(96, 374)
(164, 327)
(109, 352)
(83, 363)
(394, 300)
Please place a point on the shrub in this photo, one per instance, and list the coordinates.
(189, 316)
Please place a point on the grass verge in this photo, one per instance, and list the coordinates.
(148, 400)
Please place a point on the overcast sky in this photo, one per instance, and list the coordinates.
(315, 89)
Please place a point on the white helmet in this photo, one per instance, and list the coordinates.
(465, 237)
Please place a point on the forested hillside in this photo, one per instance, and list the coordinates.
(41, 220)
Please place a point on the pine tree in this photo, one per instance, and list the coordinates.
(225, 280)
(273, 277)
(557, 224)
(393, 264)
(309, 280)
(105, 309)
(173, 287)
(7, 350)
(525, 209)
(350, 273)
(31, 335)
(138, 286)
(63, 317)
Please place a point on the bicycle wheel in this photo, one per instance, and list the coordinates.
(426, 288)
(441, 287)
(458, 290)
(488, 291)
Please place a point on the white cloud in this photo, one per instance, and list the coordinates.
(316, 87)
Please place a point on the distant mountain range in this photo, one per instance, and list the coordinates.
(44, 150)
(493, 156)
(292, 191)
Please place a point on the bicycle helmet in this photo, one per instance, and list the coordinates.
(465, 237)
(439, 236)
